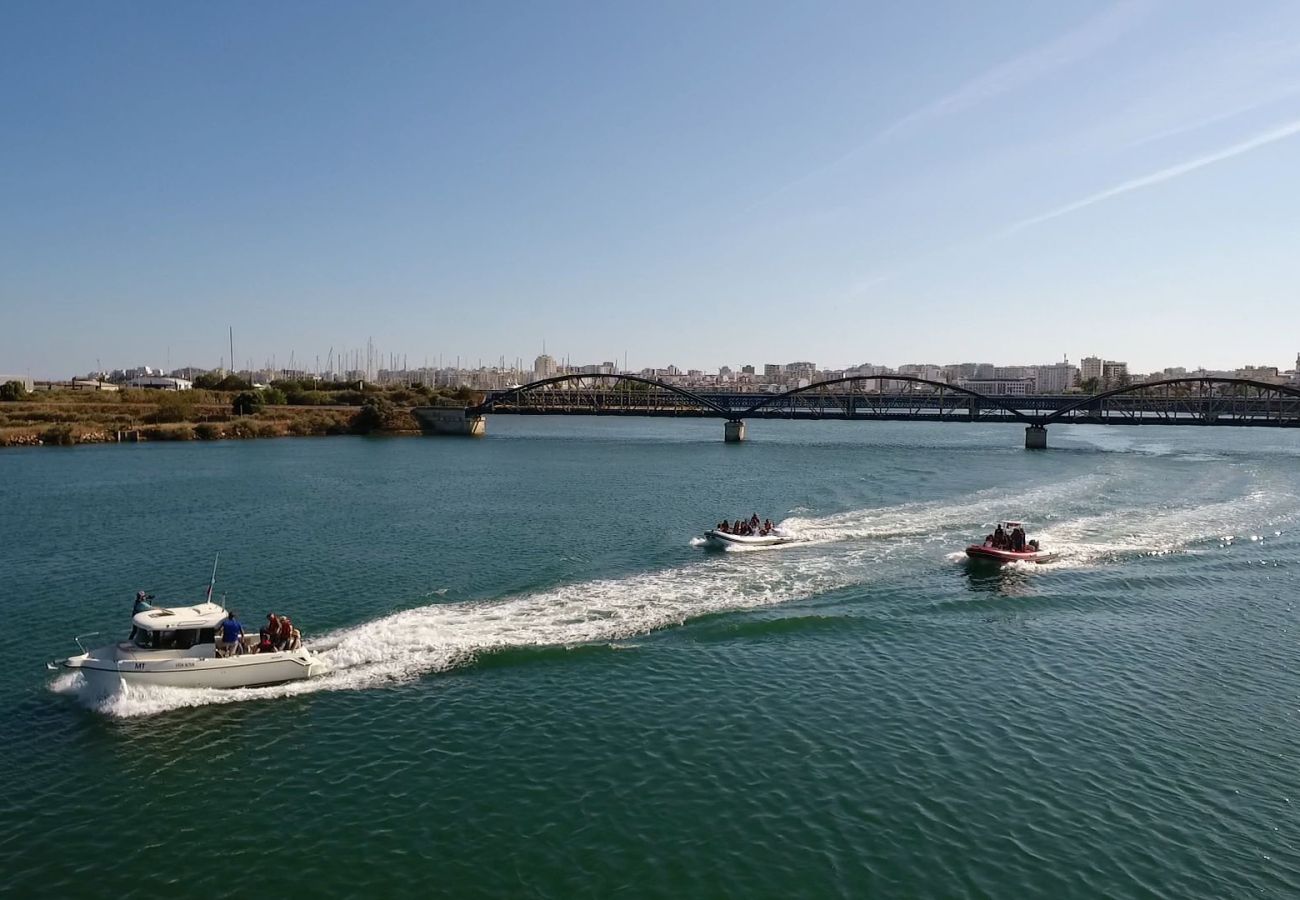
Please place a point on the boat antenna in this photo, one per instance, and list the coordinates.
(213, 582)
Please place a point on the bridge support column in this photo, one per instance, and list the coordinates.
(734, 431)
(436, 420)
(1036, 437)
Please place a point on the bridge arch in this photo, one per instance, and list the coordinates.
(1095, 399)
(991, 401)
(517, 392)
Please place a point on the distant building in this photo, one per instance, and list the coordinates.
(747, 370)
(1090, 368)
(21, 379)
(1268, 374)
(772, 370)
(161, 383)
(1056, 378)
(1004, 387)
(543, 367)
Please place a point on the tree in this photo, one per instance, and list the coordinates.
(1090, 385)
(246, 403)
(12, 390)
(376, 414)
(233, 383)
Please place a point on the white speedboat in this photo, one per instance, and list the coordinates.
(176, 646)
(724, 539)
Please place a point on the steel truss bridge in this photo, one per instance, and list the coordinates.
(1173, 401)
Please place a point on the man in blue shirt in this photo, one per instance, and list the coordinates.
(231, 630)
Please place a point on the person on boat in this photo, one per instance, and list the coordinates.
(724, 527)
(142, 602)
(266, 636)
(753, 521)
(768, 526)
(231, 631)
(999, 538)
(284, 638)
(1018, 539)
(988, 540)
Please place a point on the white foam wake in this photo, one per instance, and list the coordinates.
(442, 636)
(415, 642)
(911, 519)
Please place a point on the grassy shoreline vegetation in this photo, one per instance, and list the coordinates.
(232, 410)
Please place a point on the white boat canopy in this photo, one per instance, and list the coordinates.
(175, 618)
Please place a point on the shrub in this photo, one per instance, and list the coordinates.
(12, 390)
(207, 431)
(246, 403)
(372, 415)
(273, 397)
(173, 406)
(180, 433)
(241, 429)
(59, 435)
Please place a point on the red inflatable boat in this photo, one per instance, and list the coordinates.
(986, 550)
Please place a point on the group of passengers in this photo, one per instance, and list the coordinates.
(1013, 540)
(277, 634)
(747, 527)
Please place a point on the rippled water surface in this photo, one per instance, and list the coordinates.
(539, 687)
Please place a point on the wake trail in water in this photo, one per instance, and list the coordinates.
(440, 637)
(1091, 539)
(925, 518)
(842, 551)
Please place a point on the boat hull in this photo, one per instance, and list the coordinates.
(723, 539)
(990, 554)
(109, 670)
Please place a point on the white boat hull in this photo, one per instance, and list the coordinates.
(725, 539)
(107, 668)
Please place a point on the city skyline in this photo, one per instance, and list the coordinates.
(674, 184)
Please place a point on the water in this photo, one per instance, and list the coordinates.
(540, 688)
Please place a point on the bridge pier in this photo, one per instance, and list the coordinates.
(1036, 437)
(733, 432)
(440, 420)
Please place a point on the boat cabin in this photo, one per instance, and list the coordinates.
(177, 627)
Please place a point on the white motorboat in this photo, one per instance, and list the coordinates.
(725, 539)
(176, 646)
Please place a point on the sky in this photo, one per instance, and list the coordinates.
(678, 183)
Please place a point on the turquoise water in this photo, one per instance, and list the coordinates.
(540, 688)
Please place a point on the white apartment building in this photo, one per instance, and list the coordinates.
(1004, 387)
(1056, 378)
(543, 367)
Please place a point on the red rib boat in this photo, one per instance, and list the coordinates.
(986, 550)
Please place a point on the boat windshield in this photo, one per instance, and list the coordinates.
(178, 639)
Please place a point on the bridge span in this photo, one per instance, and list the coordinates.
(1173, 401)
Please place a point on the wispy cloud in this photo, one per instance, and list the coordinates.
(1260, 140)
(1067, 49)
(1092, 36)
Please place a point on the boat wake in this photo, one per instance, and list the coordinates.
(444, 636)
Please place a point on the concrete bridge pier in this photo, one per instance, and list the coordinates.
(734, 431)
(1036, 437)
(439, 420)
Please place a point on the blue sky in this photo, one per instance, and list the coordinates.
(698, 184)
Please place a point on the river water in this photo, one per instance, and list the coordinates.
(540, 688)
